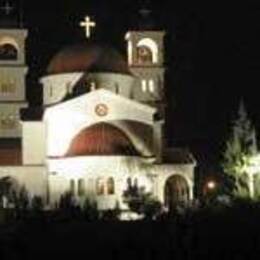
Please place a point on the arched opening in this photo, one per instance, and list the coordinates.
(8, 52)
(147, 51)
(176, 191)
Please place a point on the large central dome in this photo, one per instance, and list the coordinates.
(88, 58)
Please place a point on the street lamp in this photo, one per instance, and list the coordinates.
(211, 185)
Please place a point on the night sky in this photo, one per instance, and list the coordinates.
(212, 55)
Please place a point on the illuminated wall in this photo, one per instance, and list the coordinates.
(93, 170)
(33, 178)
(56, 87)
(13, 71)
(66, 120)
(34, 143)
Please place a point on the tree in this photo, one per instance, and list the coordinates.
(37, 204)
(8, 187)
(239, 149)
(90, 210)
(142, 202)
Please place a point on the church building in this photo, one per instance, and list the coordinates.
(100, 129)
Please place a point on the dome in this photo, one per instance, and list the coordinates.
(88, 57)
(101, 139)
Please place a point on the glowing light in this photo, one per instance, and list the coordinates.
(151, 85)
(147, 85)
(211, 185)
(88, 24)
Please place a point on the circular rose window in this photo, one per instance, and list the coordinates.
(101, 110)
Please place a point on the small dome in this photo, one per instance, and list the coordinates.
(88, 57)
(101, 139)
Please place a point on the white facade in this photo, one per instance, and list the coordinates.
(98, 130)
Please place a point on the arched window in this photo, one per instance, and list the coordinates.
(8, 52)
(72, 187)
(110, 186)
(148, 85)
(144, 85)
(100, 187)
(81, 187)
(151, 86)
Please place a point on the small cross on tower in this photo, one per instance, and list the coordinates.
(88, 24)
(7, 8)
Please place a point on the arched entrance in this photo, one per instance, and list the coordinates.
(176, 191)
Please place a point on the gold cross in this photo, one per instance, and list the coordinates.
(88, 24)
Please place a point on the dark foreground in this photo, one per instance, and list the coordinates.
(212, 233)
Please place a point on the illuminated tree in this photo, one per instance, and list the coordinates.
(239, 149)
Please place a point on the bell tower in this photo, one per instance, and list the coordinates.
(13, 72)
(145, 52)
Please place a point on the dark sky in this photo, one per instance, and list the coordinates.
(212, 55)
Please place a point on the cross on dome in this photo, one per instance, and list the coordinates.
(88, 25)
(145, 9)
(7, 8)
